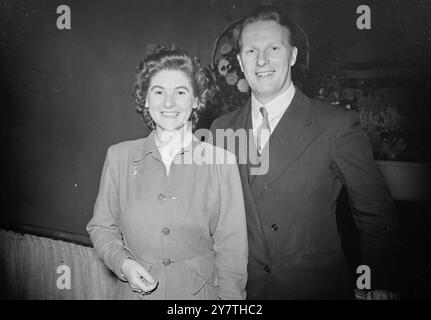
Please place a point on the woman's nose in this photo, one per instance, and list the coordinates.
(169, 101)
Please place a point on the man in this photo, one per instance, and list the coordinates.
(312, 149)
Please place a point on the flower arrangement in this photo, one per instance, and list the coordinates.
(385, 129)
(378, 111)
(228, 89)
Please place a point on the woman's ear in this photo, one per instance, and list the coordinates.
(195, 104)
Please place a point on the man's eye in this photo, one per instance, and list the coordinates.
(181, 93)
(275, 48)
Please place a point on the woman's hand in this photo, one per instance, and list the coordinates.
(139, 278)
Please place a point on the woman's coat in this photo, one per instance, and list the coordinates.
(187, 229)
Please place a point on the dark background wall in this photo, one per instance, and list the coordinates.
(66, 95)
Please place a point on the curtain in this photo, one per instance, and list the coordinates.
(29, 265)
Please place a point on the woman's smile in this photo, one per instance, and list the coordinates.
(170, 114)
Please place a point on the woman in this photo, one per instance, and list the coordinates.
(171, 226)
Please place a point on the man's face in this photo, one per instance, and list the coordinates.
(266, 58)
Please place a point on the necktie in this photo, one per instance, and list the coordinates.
(263, 131)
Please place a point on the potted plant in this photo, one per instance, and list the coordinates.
(390, 121)
(407, 180)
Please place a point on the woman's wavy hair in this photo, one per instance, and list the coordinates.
(169, 58)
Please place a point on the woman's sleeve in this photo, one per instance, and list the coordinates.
(104, 228)
(230, 236)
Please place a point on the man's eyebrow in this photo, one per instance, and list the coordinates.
(273, 43)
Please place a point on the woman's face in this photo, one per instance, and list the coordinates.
(171, 100)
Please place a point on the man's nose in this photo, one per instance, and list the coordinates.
(261, 59)
(169, 101)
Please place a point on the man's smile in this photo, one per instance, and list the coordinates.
(264, 74)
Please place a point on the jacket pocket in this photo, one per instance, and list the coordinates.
(316, 260)
(201, 271)
(317, 254)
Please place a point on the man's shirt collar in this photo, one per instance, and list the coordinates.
(276, 106)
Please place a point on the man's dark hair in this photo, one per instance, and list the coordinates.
(267, 13)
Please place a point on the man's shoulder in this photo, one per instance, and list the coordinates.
(224, 121)
(328, 114)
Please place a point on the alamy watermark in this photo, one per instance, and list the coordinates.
(64, 20)
(64, 278)
(227, 146)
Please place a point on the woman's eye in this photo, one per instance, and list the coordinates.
(158, 92)
(275, 48)
(181, 93)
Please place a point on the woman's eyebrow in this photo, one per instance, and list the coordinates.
(182, 87)
(156, 87)
(162, 88)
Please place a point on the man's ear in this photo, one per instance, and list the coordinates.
(240, 62)
(293, 56)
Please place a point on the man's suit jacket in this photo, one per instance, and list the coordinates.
(294, 247)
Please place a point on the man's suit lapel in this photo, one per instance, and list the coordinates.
(293, 134)
(242, 121)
